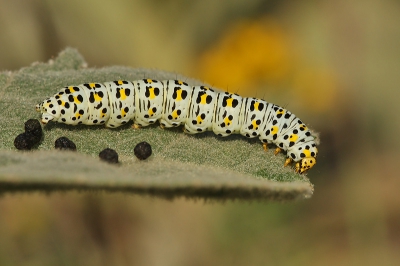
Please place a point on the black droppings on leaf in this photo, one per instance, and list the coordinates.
(63, 143)
(33, 127)
(32, 135)
(24, 141)
(109, 155)
(142, 150)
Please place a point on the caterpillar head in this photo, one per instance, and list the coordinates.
(304, 154)
(305, 164)
(49, 109)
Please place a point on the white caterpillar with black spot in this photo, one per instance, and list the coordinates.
(175, 103)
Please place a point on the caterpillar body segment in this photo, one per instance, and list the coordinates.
(201, 110)
(177, 95)
(227, 119)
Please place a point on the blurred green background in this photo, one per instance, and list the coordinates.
(335, 64)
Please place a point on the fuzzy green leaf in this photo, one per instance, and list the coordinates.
(200, 166)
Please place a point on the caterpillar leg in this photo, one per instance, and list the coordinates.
(265, 146)
(277, 150)
(136, 126)
(46, 118)
(288, 161)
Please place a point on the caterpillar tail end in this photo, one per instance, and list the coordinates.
(45, 118)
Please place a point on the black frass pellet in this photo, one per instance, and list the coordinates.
(142, 150)
(63, 143)
(33, 127)
(24, 141)
(109, 155)
(32, 135)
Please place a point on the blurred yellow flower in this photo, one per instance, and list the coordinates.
(317, 88)
(249, 51)
(260, 54)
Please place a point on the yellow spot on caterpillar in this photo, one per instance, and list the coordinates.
(203, 99)
(97, 98)
(293, 137)
(178, 95)
(180, 82)
(76, 100)
(151, 113)
(123, 113)
(307, 153)
(280, 112)
(254, 123)
(206, 88)
(120, 82)
(92, 85)
(152, 94)
(149, 80)
(256, 104)
(103, 111)
(175, 114)
(274, 130)
(229, 102)
(199, 119)
(71, 89)
(123, 95)
(227, 121)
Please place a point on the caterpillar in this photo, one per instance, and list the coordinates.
(174, 103)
